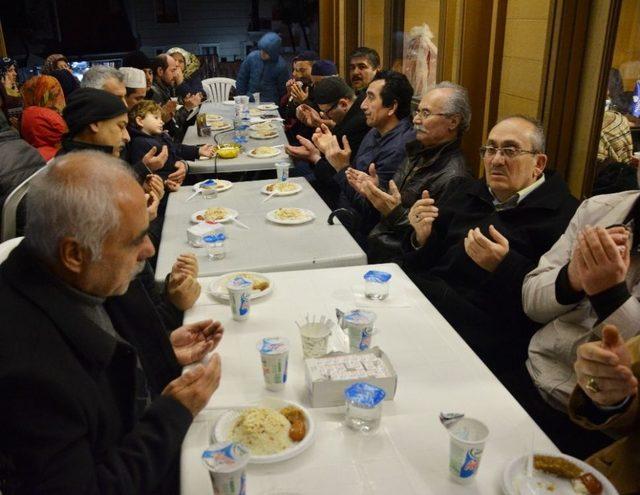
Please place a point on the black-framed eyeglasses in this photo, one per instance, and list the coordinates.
(424, 114)
(507, 152)
(332, 107)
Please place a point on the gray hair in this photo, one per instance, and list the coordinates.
(98, 75)
(76, 203)
(538, 140)
(457, 104)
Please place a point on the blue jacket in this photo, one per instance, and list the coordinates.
(268, 77)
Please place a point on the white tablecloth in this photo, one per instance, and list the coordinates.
(265, 246)
(408, 455)
(242, 163)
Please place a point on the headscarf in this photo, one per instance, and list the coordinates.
(50, 64)
(43, 91)
(5, 64)
(191, 62)
(67, 80)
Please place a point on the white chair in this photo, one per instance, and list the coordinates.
(10, 207)
(7, 246)
(218, 88)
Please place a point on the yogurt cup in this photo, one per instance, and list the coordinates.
(239, 297)
(226, 463)
(274, 355)
(358, 325)
(467, 439)
(282, 171)
(376, 284)
(364, 406)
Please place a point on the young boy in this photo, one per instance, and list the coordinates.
(146, 131)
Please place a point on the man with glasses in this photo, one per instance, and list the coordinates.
(470, 252)
(434, 163)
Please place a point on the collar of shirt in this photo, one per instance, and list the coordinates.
(515, 200)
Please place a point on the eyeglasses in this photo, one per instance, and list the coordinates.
(424, 114)
(326, 112)
(507, 152)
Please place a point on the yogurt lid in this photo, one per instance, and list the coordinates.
(273, 345)
(226, 457)
(364, 394)
(237, 282)
(208, 183)
(377, 276)
(359, 317)
(214, 238)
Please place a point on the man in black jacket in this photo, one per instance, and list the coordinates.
(92, 397)
(471, 252)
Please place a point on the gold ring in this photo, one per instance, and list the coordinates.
(592, 385)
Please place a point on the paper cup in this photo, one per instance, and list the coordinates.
(467, 439)
(226, 463)
(240, 298)
(274, 355)
(315, 338)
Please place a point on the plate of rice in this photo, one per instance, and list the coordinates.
(273, 429)
(217, 214)
(282, 188)
(261, 285)
(290, 216)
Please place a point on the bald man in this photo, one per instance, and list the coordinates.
(92, 397)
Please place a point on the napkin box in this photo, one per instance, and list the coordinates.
(327, 377)
(196, 232)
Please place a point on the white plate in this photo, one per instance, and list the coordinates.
(271, 154)
(297, 189)
(256, 120)
(230, 214)
(255, 112)
(255, 135)
(222, 430)
(221, 185)
(268, 106)
(218, 287)
(228, 102)
(516, 470)
(225, 127)
(213, 117)
(309, 216)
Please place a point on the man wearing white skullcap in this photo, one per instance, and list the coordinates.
(136, 84)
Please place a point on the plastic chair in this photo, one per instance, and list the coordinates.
(10, 207)
(218, 88)
(7, 246)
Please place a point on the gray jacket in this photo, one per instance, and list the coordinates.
(18, 160)
(437, 170)
(552, 350)
(161, 94)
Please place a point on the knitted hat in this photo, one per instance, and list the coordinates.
(136, 59)
(331, 89)
(306, 56)
(134, 78)
(324, 68)
(88, 105)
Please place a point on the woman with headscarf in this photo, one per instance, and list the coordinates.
(11, 97)
(42, 122)
(190, 66)
(55, 62)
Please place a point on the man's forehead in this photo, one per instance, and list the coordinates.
(375, 86)
(436, 98)
(514, 130)
(303, 63)
(360, 61)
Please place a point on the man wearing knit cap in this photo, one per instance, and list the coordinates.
(322, 69)
(96, 120)
(136, 84)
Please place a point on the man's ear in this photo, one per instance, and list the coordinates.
(455, 122)
(393, 108)
(541, 163)
(72, 255)
(94, 127)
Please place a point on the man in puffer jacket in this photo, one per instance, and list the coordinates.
(264, 71)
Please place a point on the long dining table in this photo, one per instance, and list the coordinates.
(264, 245)
(408, 455)
(243, 162)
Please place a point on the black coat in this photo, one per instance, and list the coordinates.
(67, 420)
(486, 308)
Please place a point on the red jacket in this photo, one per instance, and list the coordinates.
(43, 129)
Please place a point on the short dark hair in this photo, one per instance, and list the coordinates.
(159, 62)
(369, 53)
(136, 59)
(397, 88)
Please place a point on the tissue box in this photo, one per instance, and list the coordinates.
(199, 230)
(327, 377)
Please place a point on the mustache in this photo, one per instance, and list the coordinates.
(419, 128)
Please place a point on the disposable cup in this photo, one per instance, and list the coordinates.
(282, 171)
(256, 98)
(274, 355)
(467, 439)
(239, 297)
(358, 325)
(226, 463)
(315, 338)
